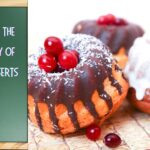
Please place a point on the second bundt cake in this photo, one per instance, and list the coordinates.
(64, 102)
(115, 32)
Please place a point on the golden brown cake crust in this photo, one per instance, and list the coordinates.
(144, 104)
(121, 57)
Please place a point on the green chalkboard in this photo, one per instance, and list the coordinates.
(13, 74)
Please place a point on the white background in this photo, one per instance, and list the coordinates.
(57, 17)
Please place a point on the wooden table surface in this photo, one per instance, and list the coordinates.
(131, 125)
(11, 146)
(15, 3)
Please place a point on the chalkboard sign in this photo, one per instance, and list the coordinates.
(13, 74)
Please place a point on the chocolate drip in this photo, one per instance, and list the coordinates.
(72, 115)
(118, 69)
(66, 99)
(120, 39)
(53, 117)
(107, 35)
(51, 100)
(113, 36)
(37, 95)
(38, 118)
(114, 82)
(103, 94)
(87, 88)
(106, 97)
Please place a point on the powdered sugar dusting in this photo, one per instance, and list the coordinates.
(91, 52)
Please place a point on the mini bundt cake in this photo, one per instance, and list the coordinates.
(64, 102)
(116, 33)
(138, 73)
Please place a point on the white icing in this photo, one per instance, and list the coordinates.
(138, 66)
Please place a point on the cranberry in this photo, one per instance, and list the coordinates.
(112, 140)
(93, 132)
(53, 45)
(106, 20)
(102, 20)
(111, 18)
(47, 62)
(75, 53)
(120, 21)
(67, 60)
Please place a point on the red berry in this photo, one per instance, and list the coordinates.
(112, 140)
(111, 18)
(93, 132)
(102, 20)
(53, 45)
(47, 62)
(67, 60)
(106, 20)
(75, 53)
(120, 21)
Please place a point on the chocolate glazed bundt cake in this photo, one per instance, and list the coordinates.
(115, 32)
(67, 101)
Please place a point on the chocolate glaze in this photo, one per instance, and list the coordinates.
(113, 36)
(38, 118)
(80, 84)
